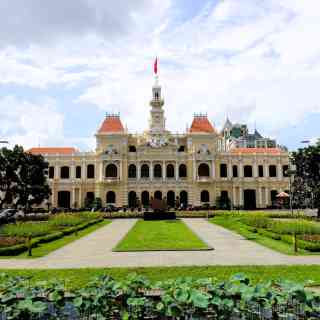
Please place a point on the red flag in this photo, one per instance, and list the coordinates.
(155, 66)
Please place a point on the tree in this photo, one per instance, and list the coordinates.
(23, 180)
(306, 184)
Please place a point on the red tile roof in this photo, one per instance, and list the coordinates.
(201, 124)
(111, 124)
(257, 150)
(53, 150)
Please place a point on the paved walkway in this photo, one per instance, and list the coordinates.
(95, 250)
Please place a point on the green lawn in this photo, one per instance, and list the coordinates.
(160, 235)
(233, 223)
(75, 278)
(45, 248)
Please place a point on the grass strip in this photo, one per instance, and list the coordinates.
(76, 278)
(43, 249)
(160, 235)
(234, 224)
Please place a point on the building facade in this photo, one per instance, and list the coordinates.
(194, 167)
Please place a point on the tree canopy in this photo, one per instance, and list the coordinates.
(307, 177)
(23, 178)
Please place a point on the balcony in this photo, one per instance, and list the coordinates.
(204, 179)
(111, 180)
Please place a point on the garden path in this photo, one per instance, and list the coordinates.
(95, 250)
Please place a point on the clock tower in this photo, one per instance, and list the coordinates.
(157, 119)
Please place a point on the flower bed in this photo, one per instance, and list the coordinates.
(56, 227)
(135, 297)
(308, 232)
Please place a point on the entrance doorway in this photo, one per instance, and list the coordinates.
(249, 197)
(158, 195)
(132, 199)
(64, 199)
(171, 198)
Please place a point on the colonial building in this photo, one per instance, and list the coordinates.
(197, 166)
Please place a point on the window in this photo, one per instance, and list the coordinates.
(51, 172)
(111, 197)
(132, 171)
(247, 171)
(111, 171)
(170, 171)
(182, 171)
(203, 170)
(223, 170)
(132, 149)
(235, 171)
(273, 194)
(144, 171)
(272, 171)
(181, 149)
(78, 172)
(260, 169)
(204, 196)
(157, 171)
(284, 170)
(90, 171)
(65, 172)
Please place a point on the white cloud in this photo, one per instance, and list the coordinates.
(257, 61)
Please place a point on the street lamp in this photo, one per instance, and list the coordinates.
(290, 173)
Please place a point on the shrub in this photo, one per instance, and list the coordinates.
(256, 220)
(25, 229)
(298, 226)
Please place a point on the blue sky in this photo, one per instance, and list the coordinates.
(63, 65)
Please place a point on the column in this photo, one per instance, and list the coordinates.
(151, 171)
(240, 196)
(120, 173)
(138, 170)
(267, 197)
(177, 170)
(101, 171)
(260, 197)
(194, 170)
(164, 170)
(83, 171)
(56, 172)
(265, 171)
(240, 173)
(229, 170)
(234, 196)
(255, 170)
(80, 197)
(213, 169)
(73, 196)
(279, 173)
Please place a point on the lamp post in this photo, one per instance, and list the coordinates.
(290, 173)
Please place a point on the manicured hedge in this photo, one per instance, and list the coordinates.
(18, 249)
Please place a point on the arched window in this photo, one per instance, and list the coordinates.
(170, 171)
(204, 196)
(78, 172)
(51, 172)
(184, 198)
(182, 171)
(132, 199)
(132, 171)
(171, 198)
(111, 171)
(90, 171)
(223, 170)
(111, 197)
(132, 149)
(272, 171)
(145, 171)
(158, 195)
(65, 172)
(145, 198)
(203, 170)
(247, 171)
(157, 171)
(235, 171)
(89, 199)
(64, 199)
